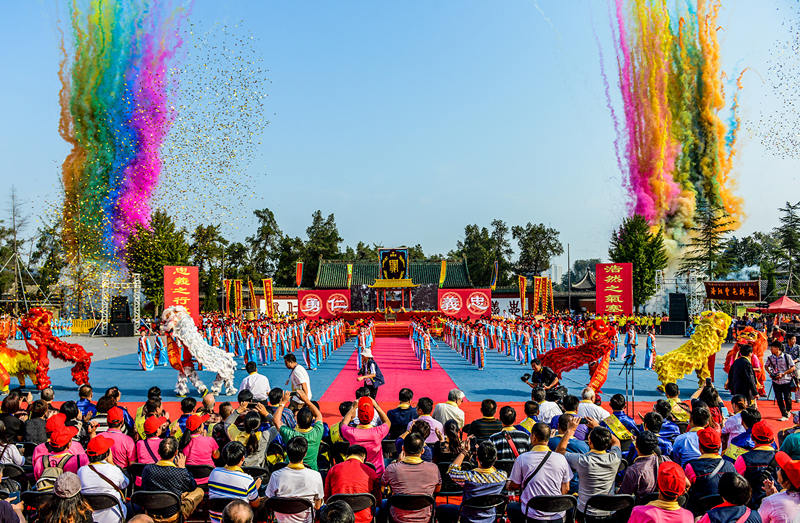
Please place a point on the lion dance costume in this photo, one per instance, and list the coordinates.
(598, 346)
(757, 340)
(34, 363)
(694, 355)
(184, 342)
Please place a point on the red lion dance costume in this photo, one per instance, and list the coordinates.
(598, 346)
(36, 327)
(757, 340)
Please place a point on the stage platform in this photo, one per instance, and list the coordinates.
(335, 380)
(354, 316)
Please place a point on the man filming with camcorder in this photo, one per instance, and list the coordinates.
(544, 377)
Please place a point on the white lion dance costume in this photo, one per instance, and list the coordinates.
(184, 342)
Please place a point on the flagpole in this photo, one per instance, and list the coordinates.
(569, 282)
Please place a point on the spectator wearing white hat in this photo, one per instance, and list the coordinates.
(370, 373)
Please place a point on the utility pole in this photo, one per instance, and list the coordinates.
(569, 282)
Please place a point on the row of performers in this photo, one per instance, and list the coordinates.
(9, 327)
(262, 341)
(525, 340)
(421, 341)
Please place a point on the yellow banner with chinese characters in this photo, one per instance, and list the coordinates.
(442, 273)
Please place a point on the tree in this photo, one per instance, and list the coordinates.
(149, 250)
(290, 251)
(634, 243)
(705, 251)
(323, 242)
(475, 249)
(206, 253)
(500, 251)
(788, 236)
(48, 256)
(537, 244)
(578, 270)
(240, 263)
(264, 243)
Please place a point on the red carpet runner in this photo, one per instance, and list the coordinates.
(400, 369)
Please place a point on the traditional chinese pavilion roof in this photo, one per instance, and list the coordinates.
(332, 274)
(588, 283)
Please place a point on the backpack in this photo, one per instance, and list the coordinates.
(50, 473)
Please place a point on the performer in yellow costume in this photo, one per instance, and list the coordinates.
(693, 355)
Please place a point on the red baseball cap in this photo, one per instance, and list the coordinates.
(671, 478)
(54, 422)
(63, 435)
(366, 410)
(762, 433)
(115, 414)
(153, 423)
(194, 422)
(709, 438)
(99, 445)
(790, 467)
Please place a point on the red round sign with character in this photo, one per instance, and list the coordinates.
(450, 303)
(478, 303)
(311, 305)
(337, 303)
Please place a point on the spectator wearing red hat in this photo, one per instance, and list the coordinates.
(364, 433)
(198, 448)
(705, 472)
(671, 485)
(147, 449)
(124, 450)
(756, 465)
(102, 477)
(785, 505)
(58, 452)
(735, 492)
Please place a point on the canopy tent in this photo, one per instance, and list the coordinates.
(782, 305)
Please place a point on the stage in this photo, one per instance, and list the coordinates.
(116, 364)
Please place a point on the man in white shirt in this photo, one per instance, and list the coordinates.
(256, 383)
(552, 478)
(587, 407)
(296, 481)
(101, 477)
(298, 379)
(444, 412)
(547, 409)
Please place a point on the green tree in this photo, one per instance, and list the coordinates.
(500, 251)
(206, 252)
(149, 250)
(323, 242)
(265, 242)
(788, 236)
(475, 249)
(705, 252)
(48, 257)
(240, 263)
(537, 244)
(290, 251)
(634, 243)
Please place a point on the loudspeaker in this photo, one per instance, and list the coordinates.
(675, 328)
(678, 309)
(120, 330)
(119, 309)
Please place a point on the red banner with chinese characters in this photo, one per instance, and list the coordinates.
(323, 304)
(522, 281)
(614, 288)
(237, 298)
(298, 273)
(226, 285)
(733, 290)
(252, 292)
(181, 287)
(465, 303)
(268, 297)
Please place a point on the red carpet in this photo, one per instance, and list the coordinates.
(400, 369)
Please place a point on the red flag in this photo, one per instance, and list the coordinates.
(298, 277)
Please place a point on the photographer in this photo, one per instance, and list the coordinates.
(540, 376)
(781, 370)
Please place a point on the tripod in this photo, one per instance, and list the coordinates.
(628, 367)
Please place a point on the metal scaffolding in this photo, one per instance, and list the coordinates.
(134, 283)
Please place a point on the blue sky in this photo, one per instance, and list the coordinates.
(410, 119)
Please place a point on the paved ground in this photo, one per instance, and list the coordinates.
(102, 348)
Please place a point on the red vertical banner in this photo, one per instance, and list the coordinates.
(252, 292)
(523, 306)
(298, 273)
(268, 297)
(226, 285)
(237, 297)
(181, 287)
(614, 288)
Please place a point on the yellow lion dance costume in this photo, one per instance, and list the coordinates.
(693, 355)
